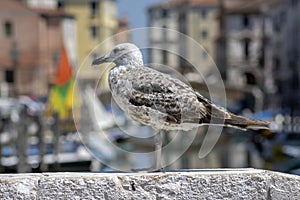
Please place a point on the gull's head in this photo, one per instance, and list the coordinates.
(122, 54)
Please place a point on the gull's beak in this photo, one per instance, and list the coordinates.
(101, 60)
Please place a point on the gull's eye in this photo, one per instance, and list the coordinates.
(115, 51)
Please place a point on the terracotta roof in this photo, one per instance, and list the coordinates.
(174, 3)
(246, 6)
(204, 2)
(52, 12)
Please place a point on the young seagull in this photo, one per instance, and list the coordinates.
(161, 101)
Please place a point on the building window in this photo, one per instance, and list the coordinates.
(282, 17)
(94, 8)
(182, 22)
(165, 32)
(294, 3)
(250, 78)
(60, 4)
(204, 34)
(203, 13)
(246, 21)
(276, 23)
(164, 13)
(164, 57)
(182, 17)
(94, 31)
(8, 28)
(247, 48)
(9, 76)
(276, 64)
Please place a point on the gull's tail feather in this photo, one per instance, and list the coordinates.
(220, 116)
(243, 123)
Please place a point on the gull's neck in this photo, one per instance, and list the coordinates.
(130, 63)
(133, 59)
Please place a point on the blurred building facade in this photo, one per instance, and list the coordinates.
(195, 18)
(242, 32)
(96, 21)
(284, 46)
(31, 40)
(259, 51)
(53, 23)
(243, 56)
(69, 26)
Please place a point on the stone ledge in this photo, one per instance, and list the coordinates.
(193, 184)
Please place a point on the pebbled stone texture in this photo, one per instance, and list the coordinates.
(194, 184)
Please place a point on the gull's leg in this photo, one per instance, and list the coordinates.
(157, 153)
(156, 166)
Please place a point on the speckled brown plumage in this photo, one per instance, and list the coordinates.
(161, 101)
